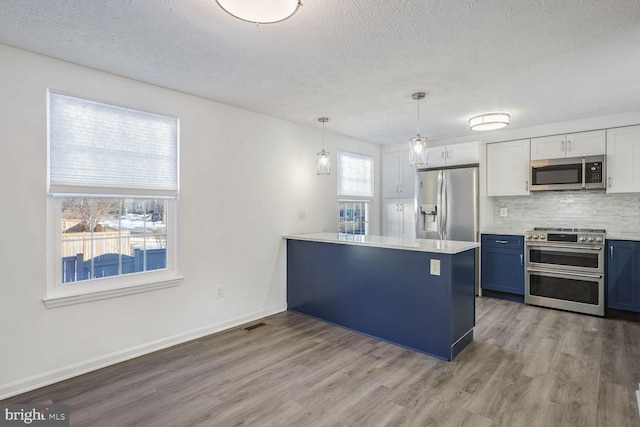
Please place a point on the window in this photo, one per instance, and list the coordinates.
(113, 187)
(355, 192)
(354, 217)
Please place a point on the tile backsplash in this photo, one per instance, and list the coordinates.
(616, 213)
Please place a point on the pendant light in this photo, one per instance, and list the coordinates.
(323, 158)
(489, 121)
(260, 11)
(418, 144)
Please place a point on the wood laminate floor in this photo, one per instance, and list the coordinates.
(527, 366)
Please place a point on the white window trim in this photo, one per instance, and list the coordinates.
(59, 295)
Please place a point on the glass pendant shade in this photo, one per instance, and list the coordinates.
(489, 121)
(418, 144)
(323, 163)
(260, 11)
(418, 151)
(323, 158)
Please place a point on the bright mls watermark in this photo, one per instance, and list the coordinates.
(34, 415)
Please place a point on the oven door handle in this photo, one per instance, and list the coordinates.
(576, 248)
(566, 273)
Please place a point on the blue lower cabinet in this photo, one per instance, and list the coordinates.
(386, 293)
(623, 275)
(502, 263)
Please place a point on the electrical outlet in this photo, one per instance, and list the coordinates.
(503, 211)
(301, 215)
(219, 291)
(435, 267)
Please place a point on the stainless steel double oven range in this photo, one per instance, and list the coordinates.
(565, 269)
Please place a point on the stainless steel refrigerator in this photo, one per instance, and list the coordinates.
(447, 204)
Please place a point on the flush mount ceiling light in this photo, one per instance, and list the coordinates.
(489, 121)
(260, 11)
(418, 144)
(323, 158)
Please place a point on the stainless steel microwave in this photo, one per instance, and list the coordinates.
(575, 173)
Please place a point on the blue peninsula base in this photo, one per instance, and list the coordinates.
(390, 294)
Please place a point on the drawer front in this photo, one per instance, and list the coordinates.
(503, 241)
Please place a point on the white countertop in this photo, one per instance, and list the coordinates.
(404, 243)
(505, 231)
(623, 236)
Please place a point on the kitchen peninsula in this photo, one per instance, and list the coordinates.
(417, 293)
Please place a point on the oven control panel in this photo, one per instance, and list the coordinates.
(562, 236)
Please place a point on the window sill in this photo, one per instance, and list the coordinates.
(79, 298)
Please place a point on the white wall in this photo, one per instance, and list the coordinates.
(244, 177)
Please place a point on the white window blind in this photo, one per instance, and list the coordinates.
(355, 175)
(97, 148)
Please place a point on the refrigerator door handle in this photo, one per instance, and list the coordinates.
(444, 207)
(440, 204)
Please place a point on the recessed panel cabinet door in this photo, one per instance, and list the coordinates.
(581, 144)
(502, 258)
(406, 175)
(390, 170)
(548, 147)
(508, 168)
(623, 275)
(623, 160)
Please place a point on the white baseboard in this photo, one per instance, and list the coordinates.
(70, 371)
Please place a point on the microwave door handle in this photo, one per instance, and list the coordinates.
(584, 172)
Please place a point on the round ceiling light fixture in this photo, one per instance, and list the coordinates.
(489, 121)
(260, 11)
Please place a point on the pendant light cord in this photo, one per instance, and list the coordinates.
(418, 116)
(323, 135)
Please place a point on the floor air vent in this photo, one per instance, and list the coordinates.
(252, 327)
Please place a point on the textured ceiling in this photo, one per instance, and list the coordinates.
(358, 61)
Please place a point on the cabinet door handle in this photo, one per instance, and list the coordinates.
(611, 251)
(502, 242)
(521, 259)
(610, 182)
(569, 145)
(561, 145)
(401, 188)
(448, 154)
(526, 185)
(443, 155)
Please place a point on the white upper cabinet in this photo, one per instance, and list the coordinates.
(451, 155)
(623, 160)
(462, 154)
(436, 157)
(508, 168)
(397, 175)
(570, 145)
